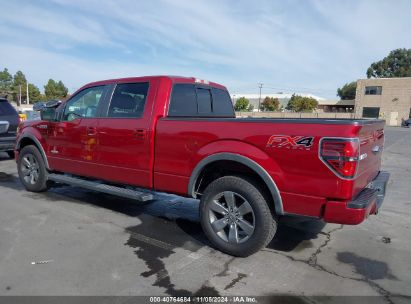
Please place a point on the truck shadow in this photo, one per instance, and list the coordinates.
(164, 227)
(296, 233)
(170, 213)
(181, 216)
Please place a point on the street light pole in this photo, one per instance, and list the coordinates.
(19, 95)
(260, 85)
(27, 93)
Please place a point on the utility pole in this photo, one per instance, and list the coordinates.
(19, 95)
(27, 93)
(260, 85)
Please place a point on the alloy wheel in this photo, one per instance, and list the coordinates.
(30, 169)
(231, 217)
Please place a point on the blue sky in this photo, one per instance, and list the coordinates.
(303, 46)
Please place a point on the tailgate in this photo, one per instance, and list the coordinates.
(371, 145)
(8, 125)
(9, 119)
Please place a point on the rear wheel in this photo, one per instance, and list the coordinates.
(32, 170)
(235, 216)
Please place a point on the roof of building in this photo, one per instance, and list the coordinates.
(330, 102)
(388, 78)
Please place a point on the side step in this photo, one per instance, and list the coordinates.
(109, 189)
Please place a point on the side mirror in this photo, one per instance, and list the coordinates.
(48, 114)
(54, 103)
(39, 106)
(47, 109)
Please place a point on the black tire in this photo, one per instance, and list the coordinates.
(29, 162)
(11, 154)
(260, 217)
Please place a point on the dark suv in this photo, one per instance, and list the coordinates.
(9, 120)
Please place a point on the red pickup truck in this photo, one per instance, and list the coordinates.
(180, 135)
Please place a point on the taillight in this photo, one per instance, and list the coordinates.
(341, 155)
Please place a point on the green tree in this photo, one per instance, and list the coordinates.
(6, 82)
(19, 83)
(34, 94)
(250, 107)
(301, 104)
(270, 104)
(55, 90)
(241, 104)
(19, 78)
(396, 64)
(347, 92)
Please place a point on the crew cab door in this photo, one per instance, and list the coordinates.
(72, 140)
(124, 135)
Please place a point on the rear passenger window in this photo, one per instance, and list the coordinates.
(183, 101)
(128, 100)
(204, 102)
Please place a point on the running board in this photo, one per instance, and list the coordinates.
(109, 189)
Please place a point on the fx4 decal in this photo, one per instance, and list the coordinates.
(291, 142)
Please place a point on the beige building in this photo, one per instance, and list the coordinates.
(385, 98)
(335, 106)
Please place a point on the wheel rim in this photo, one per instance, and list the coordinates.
(30, 169)
(231, 217)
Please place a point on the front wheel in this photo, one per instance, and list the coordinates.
(32, 170)
(235, 216)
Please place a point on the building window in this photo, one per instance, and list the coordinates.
(374, 90)
(370, 112)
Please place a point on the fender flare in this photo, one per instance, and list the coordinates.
(275, 193)
(38, 144)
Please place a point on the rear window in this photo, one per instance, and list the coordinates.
(204, 102)
(7, 109)
(188, 100)
(222, 103)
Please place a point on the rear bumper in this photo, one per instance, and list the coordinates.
(7, 145)
(367, 202)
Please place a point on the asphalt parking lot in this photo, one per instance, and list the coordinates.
(70, 241)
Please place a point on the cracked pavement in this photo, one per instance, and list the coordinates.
(96, 244)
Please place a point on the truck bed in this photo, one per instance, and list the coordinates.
(299, 173)
(328, 121)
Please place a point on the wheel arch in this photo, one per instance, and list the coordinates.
(29, 139)
(253, 166)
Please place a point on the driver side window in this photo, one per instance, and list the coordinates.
(84, 104)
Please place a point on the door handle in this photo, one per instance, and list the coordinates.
(141, 133)
(91, 131)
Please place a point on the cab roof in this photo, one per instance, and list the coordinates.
(174, 79)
